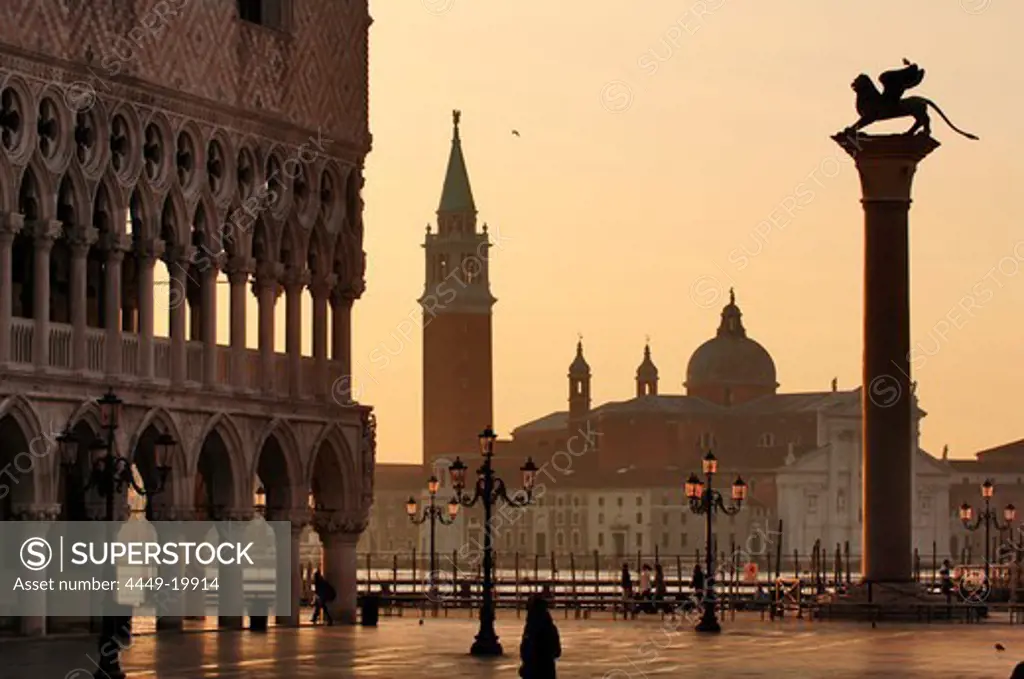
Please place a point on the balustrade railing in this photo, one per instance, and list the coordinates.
(61, 348)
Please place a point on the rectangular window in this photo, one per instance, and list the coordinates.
(682, 540)
(812, 504)
(639, 518)
(664, 540)
(640, 541)
(269, 13)
(600, 519)
(600, 539)
(639, 501)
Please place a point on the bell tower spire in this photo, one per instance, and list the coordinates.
(457, 303)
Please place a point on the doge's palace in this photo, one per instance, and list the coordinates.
(154, 154)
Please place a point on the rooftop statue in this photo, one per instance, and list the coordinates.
(890, 103)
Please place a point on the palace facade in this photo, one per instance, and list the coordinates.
(170, 174)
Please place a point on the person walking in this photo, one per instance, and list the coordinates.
(541, 645)
(697, 582)
(323, 594)
(627, 591)
(660, 589)
(946, 580)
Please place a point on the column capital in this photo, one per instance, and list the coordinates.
(36, 512)
(151, 248)
(298, 517)
(338, 524)
(238, 269)
(179, 254)
(82, 239)
(115, 244)
(344, 295)
(295, 279)
(268, 275)
(886, 163)
(46, 231)
(11, 224)
(322, 286)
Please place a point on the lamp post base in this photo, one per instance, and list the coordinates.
(486, 645)
(708, 622)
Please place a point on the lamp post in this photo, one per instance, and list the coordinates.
(110, 475)
(433, 514)
(987, 518)
(489, 489)
(706, 500)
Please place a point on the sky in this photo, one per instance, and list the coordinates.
(658, 142)
(670, 150)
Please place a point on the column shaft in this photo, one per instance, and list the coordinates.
(8, 230)
(146, 263)
(341, 570)
(46, 233)
(209, 326)
(293, 339)
(267, 291)
(115, 257)
(320, 342)
(177, 322)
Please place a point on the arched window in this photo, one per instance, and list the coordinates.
(767, 440)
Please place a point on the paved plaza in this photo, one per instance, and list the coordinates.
(402, 649)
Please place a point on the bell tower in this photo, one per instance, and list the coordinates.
(456, 302)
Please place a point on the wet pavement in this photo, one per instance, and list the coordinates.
(400, 648)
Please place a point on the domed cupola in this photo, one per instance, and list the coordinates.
(647, 375)
(730, 367)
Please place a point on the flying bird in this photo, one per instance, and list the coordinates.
(515, 133)
(1000, 647)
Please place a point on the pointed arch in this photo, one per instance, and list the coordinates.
(36, 177)
(144, 214)
(293, 244)
(264, 240)
(205, 220)
(111, 190)
(20, 409)
(332, 453)
(87, 413)
(320, 251)
(282, 431)
(174, 221)
(80, 194)
(7, 185)
(227, 428)
(164, 421)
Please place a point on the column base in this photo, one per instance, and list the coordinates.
(486, 645)
(708, 622)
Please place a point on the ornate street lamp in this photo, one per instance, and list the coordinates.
(260, 502)
(706, 500)
(489, 489)
(987, 518)
(110, 475)
(433, 514)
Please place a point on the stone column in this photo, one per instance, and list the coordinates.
(33, 603)
(10, 226)
(267, 287)
(295, 282)
(115, 247)
(147, 255)
(81, 242)
(321, 290)
(238, 270)
(170, 603)
(290, 560)
(886, 165)
(208, 277)
(45, 232)
(341, 570)
(178, 260)
(341, 338)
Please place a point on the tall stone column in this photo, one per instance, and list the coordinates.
(10, 226)
(290, 560)
(294, 283)
(178, 261)
(267, 287)
(238, 270)
(81, 242)
(341, 570)
(321, 290)
(886, 165)
(45, 232)
(147, 255)
(208, 277)
(341, 337)
(116, 246)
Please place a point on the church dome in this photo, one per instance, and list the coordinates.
(579, 366)
(647, 371)
(731, 359)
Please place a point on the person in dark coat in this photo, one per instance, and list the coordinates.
(698, 583)
(660, 589)
(627, 590)
(541, 645)
(324, 594)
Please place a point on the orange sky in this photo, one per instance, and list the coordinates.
(629, 222)
(658, 139)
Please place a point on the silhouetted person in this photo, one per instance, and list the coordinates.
(541, 645)
(1018, 671)
(627, 588)
(946, 580)
(323, 595)
(660, 590)
(698, 583)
